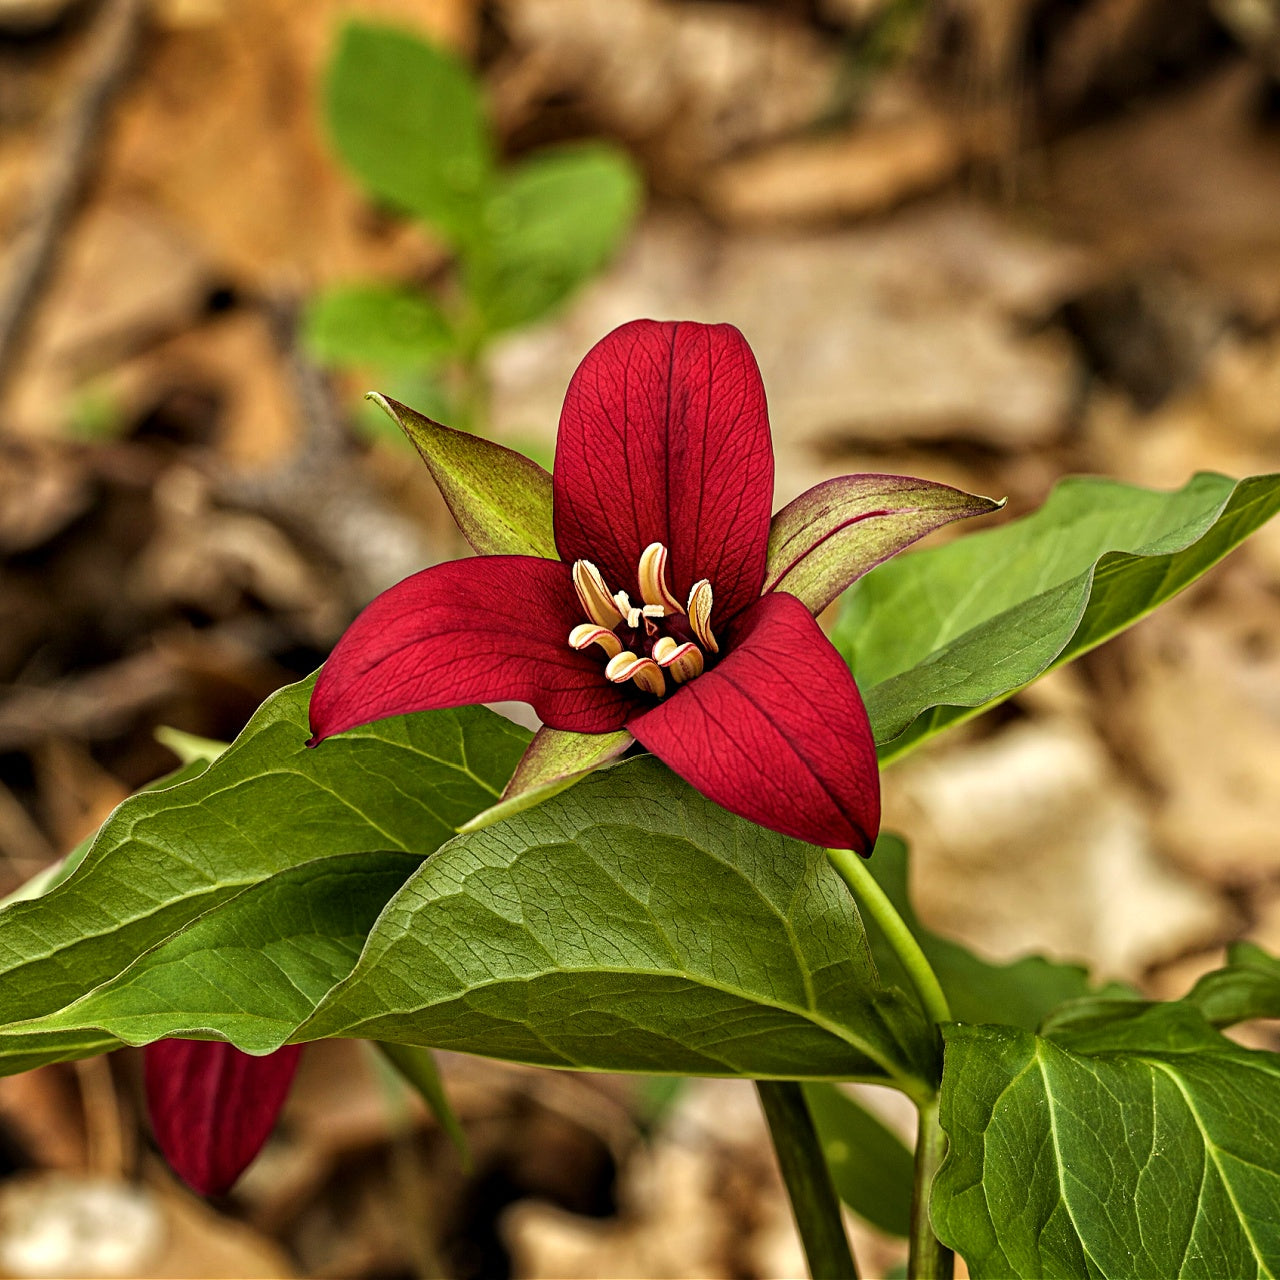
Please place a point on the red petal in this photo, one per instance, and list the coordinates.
(212, 1107)
(776, 731)
(488, 629)
(664, 437)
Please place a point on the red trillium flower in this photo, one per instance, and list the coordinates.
(642, 593)
(662, 604)
(212, 1106)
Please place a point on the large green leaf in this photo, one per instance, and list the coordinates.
(252, 969)
(383, 326)
(267, 804)
(936, 636)
(408, 118)
(552, 222)
(1021, 992)
(631, 925)
(1138, 1148)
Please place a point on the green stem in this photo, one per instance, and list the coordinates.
(930, 1259)
(862, 884)
(808, 1180)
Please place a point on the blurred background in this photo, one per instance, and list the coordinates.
(986, 243)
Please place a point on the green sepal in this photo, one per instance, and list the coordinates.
(552, 763)
(500, 499)
(831, 535)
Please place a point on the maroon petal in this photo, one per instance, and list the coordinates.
(664, 437)
(212, 1107)
(487, 629)
(776, 731)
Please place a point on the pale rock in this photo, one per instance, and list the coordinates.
(1031, 842)
(909, 331)
(1205, 710)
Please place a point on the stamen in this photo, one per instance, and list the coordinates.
(644, 671)
(653, 580)
(700, 601)
(618, 668)
(587, 633)
(594, 596)
(681, 661)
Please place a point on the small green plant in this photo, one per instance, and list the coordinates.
(408, 119)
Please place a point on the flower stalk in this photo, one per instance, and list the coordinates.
(865, 888)
(808, 1180)
(929, 1258)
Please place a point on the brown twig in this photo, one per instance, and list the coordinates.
(72, 149)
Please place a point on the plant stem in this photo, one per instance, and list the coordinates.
(930, 1259)
(808, 1180)
(863, 885)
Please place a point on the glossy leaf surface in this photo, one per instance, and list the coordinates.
(268, 804)
(936, 636)
(630, 925)
(1143, 1147)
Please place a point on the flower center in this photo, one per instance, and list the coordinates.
(648, 642)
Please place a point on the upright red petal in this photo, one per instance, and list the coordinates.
(487, 629)
(664, 437)
(212, 1107)
(776, 731)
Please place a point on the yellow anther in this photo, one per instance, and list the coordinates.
(700, 615)
(654, 589)
(644, 671)
(586, 634)
(594, 596)
(680, 661)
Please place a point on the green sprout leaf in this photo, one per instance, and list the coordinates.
(1144, 1147)
(934, 637)
(268, 804)
(555, 761)
(381, 326)
(552, 222)
(631, 925)
(408, 119)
